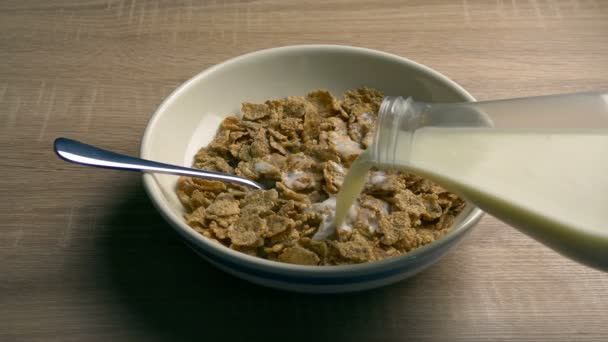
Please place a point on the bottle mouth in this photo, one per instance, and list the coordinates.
(397, 120)
(385, 129)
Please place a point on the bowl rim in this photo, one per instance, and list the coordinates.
(155, 193)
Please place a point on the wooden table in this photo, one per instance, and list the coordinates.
(84, 255)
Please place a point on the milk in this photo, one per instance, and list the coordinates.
(550, 184)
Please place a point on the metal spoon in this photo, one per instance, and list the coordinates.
(79, 153)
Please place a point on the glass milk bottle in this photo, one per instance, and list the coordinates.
(539, 164)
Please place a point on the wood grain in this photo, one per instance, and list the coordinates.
(84, 256)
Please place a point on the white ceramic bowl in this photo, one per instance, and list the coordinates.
(188, 118)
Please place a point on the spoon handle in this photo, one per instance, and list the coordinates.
(79, 153)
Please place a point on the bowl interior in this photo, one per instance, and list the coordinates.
(189, 117)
